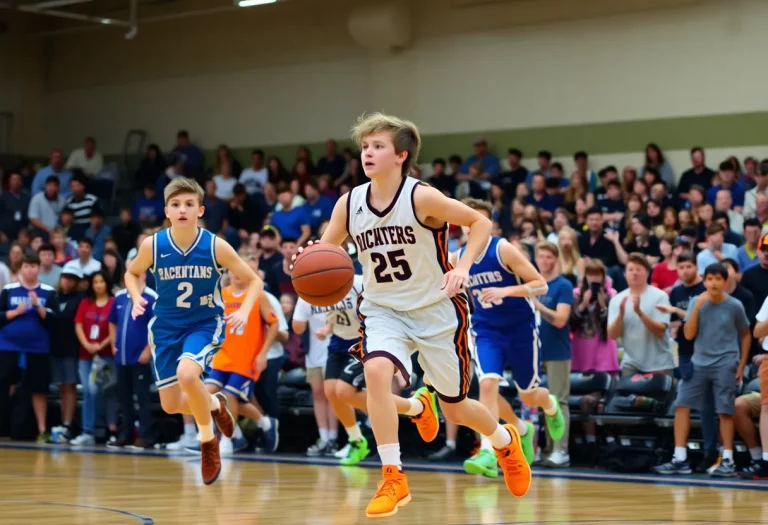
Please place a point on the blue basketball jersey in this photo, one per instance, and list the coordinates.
(188, 283)
(490, 272)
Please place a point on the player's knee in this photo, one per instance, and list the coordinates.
(330, 390)
(489, 388)
(188, 372)
(379, 371)
(170, 405)
(344, 392)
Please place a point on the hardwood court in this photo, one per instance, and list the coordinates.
(45, 486)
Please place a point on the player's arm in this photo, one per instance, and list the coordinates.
(534, 283)
(434, 204)
(299, 327)
(228, 258)
(270, 319)
(336, 231)
(138, 266)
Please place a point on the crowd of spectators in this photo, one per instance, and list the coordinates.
(648, 264)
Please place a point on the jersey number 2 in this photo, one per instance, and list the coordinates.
(185, 289)
(401, 270)
(479, 297)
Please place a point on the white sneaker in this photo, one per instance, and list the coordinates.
(343, 452)
(557, 459)
(183, 442)
(225, 447)
(83, 440)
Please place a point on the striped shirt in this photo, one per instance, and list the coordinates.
(82, 208)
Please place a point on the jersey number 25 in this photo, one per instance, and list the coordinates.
(395, 260)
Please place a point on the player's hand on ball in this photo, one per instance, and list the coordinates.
(236, 320)
(301, 249)
(454, 281)
(138, 307)
(493, 295)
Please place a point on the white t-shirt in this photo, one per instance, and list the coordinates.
(92, 266)
(762, 315)
(224, 187)
(318, 349)
(254, 181)
(276, 349)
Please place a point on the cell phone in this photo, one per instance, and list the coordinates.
(595, 289)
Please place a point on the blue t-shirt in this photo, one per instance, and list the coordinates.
(737, 194)
(289, 223)
(556, 342)
(318, 212)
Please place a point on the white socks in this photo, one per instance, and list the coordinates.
(323, 435)
(332, 435)
(206, 431)
(353, 433)
(756, 453)
(485, 443)
(450, 444)
(390, 455)
(190, 430)
(214, 403)
(681, 454)
(521, 427)
(728, 454)
(264, 423)
(417, 407)
(500, 437)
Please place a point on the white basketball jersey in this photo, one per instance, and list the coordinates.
(403, 260)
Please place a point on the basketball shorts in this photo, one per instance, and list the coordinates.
(169, 345)
(440, 332)
(230, 382)
(518, 348)
(344, 367)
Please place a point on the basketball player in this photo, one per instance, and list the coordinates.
(502, 282)
(188, 324)
(413, 299)
(241, 359)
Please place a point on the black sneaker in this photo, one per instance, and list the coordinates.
(672, 468)
(726, 469)
(758, 470)
(710, 459)
(331, 448)
(444, 454)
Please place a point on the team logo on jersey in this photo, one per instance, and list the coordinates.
(359, 211)
(385, 235)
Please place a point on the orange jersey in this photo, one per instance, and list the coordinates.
(241, 347)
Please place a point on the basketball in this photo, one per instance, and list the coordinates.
(322, 274)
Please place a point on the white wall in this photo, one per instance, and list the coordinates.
(245, 81)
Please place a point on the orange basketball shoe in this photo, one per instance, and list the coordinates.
(211, 460)
(223, 417)
(517, 471)
(427, 423)
(393, 493)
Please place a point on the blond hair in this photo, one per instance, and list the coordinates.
(479, 205)
(182, 185)
(405, 135)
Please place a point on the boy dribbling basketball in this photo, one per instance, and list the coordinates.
(413, 300)
(188, 324)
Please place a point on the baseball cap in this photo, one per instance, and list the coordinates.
(269, 230)
(71, 271)
(763, 242)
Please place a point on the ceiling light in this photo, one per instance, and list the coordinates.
(251, 3)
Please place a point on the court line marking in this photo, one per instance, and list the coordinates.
(145, 520)
(577, 474)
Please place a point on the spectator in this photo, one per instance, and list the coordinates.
(225, 182)
(571, 263)
(743, 295)
(746, 255)
(640, 239)
(114, 267)
(721, 347)
(289, 221)
(761, 188)
(56, 169)
(332, 164)
(45, 207)
(152, 167)
(81, 204)
(612, 205)
(724, 204)
(517, 174)
(84, 264)
(243, 216)
(664, 275)
(86, 158)
(581, 159)
(215, 215)
(727, 182)
(49, 272)
(490, 166)
(277, 172)
(15, 258)
(578, 189)
(557, 179)
(594, 244)
(633, 315)
(280, 282)
(717, 250)
(746, 407)
(317, 208)
(26, 311)
(270, 255)
(132, 351)
(554, 307)
(126, 232)
(539, 197)
(224, 157)
(149, 209)
(190, 155)
(98, 232)
(654, 158)
(65, 352)
(65, 251)
(92, 329)
(256, 177)
(592, 349)
(442, 180)
(699, 174)
(14, 205)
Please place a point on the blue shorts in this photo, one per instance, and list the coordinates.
(233, 383)
(518, 349)
(339, 345)
(169, 345)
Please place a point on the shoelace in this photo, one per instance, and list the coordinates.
(388, 488)
(209, 454)
(512, 465)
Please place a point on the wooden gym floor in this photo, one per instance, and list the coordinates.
(49, 485)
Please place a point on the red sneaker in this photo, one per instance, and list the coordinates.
(211, 460)
(223, 417)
